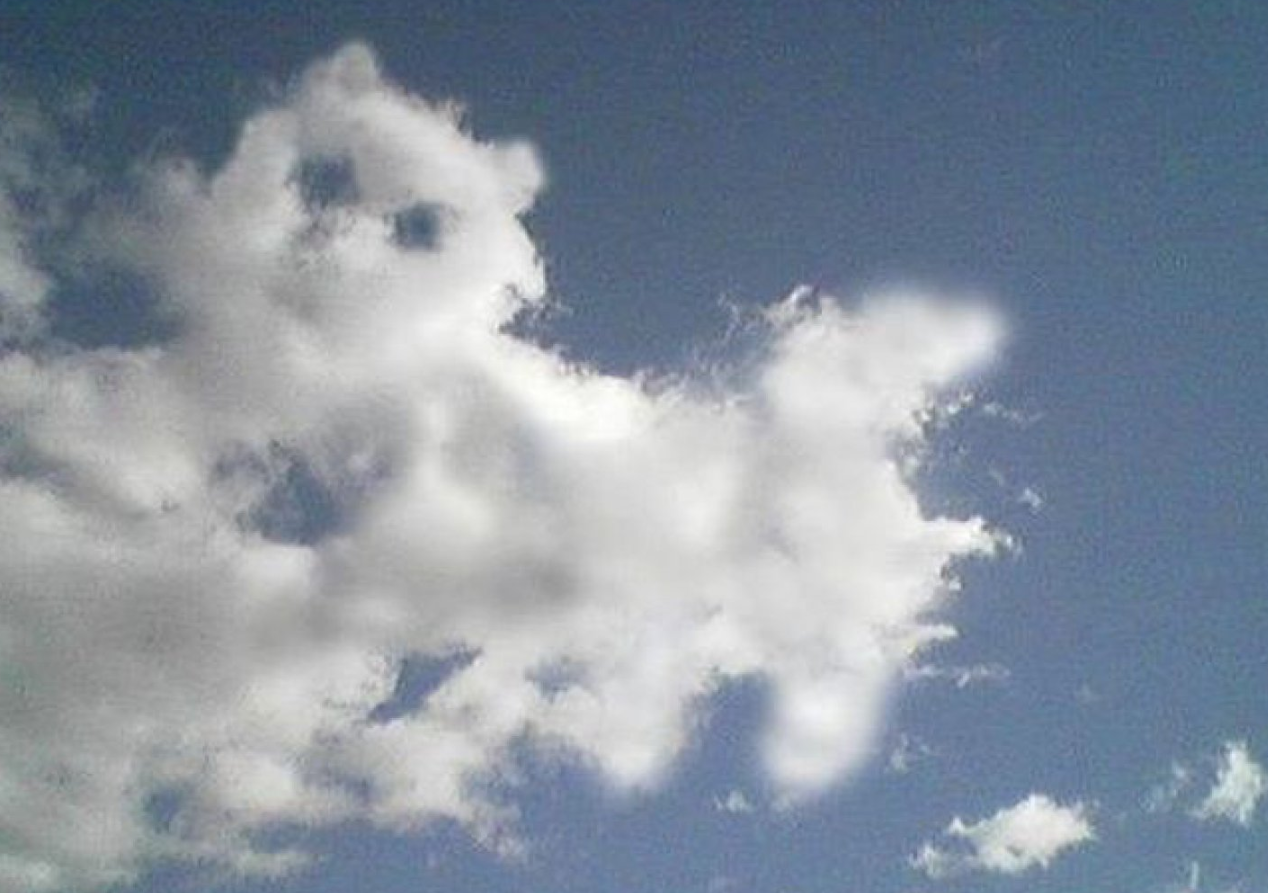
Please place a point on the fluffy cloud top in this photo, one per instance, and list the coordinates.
(1028, 835)
(224, 538)
(1238, 787)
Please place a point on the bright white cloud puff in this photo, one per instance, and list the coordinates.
(1238, 787)
(1030, 834)
(223, 539)
(1239, 784)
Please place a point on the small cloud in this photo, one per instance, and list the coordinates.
(1163, 796)
(961, 677)
(735, 802)
(907, 753)
(1017, 417)
(1027, 496)
(1237, 790)
(1235, 793)
(1031, 498)
(1029, 835)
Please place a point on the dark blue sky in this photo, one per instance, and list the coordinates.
(1097, 169)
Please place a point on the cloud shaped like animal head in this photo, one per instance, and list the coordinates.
(222, 551)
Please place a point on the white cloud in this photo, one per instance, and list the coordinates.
(960, 677)
(1235, 792)
(1029, 835)
(907, 752)
(1011, 415)
(217, 550)
(734, 802)
(1031, 498)
(1238, 787)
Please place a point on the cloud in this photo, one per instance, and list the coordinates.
(906, 753)
(1029, 835)
(334, 542)
(1237, 790)
(1163, 796)
(35, 180)
(1031, 498)
(734, 802)
(1234, 795)
(960, 677)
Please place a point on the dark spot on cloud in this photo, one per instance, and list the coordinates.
(18, 459)
(162, 807)
(419, 677)
(112, 307)
(292, 498)
(326, 181)
(557, 677)
(418, 226)
(299, 507)
(29, 201)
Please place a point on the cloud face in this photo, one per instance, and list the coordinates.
(1028, 835)
(1238, 787)
(225, 544)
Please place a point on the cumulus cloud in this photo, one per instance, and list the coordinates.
(229, 541)
(1238, 787)
(1030, 834)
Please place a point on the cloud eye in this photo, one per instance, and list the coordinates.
(418, 677)
(283, 498)
(298, 508)
(326, 181)
(418, 226)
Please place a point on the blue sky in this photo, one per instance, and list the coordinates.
(259, 505)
